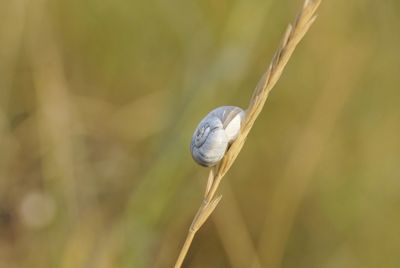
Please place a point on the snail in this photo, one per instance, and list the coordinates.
(215, 133)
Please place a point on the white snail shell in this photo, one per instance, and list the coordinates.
(215, 133)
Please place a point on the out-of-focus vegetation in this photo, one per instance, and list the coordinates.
(98, 101)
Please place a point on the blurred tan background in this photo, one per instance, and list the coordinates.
(98, 102)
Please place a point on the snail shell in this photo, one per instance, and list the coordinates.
(215, 133)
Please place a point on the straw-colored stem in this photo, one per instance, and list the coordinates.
(185, 248)
(292, 37)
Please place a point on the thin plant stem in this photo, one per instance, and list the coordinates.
(291, 39)
(185, 248)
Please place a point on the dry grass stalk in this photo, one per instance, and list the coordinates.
(292, 37)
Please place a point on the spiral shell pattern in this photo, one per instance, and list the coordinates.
(215, 133)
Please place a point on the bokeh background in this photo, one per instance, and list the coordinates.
(98, 102)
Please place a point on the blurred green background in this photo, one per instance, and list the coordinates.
(98, 102)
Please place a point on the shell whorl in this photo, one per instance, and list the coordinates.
(215, 133)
